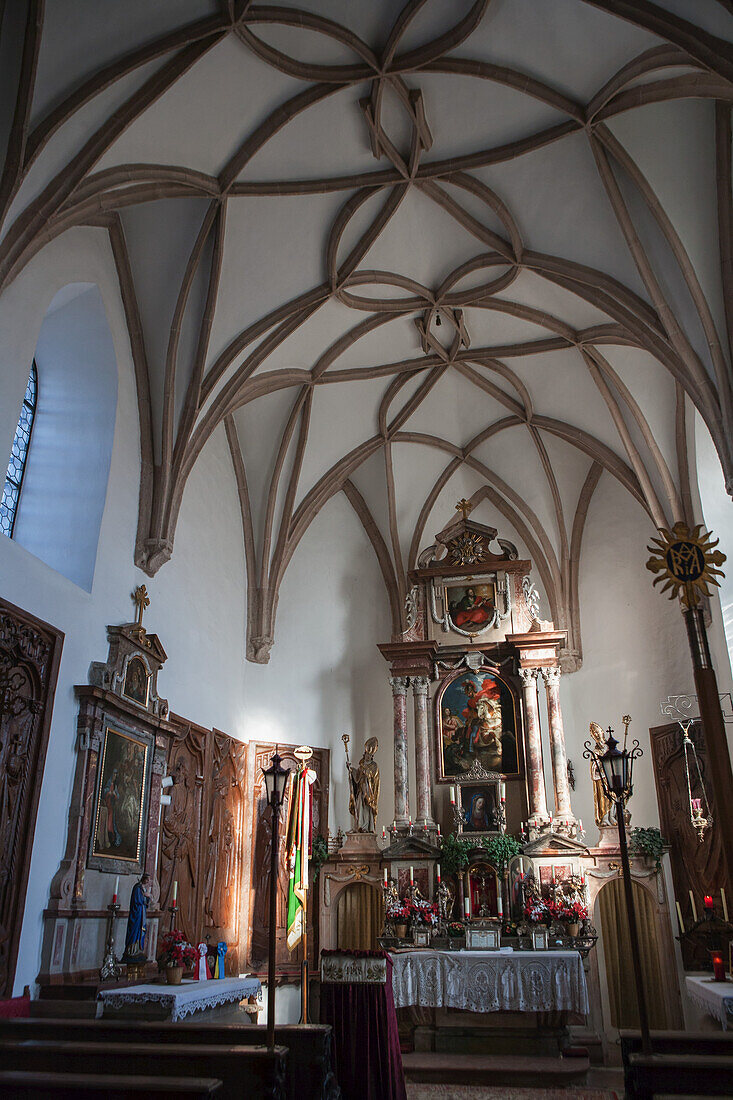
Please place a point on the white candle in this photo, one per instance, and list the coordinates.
(552, 873)
(679, 917)
(466, 906)
(438, 872)
(385, 876)
(694, 910)
(117, 888)
(500, 905)
(412, 877)
(521, 865)
(580, 824)
(502, 791)
(725, 903)
(453, 796)
(438, 830)
(175, 890)
(384, 834)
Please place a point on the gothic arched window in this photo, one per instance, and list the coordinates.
(19, 455)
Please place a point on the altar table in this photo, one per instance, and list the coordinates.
(715, 998)
(180, 1000)
(491, 981)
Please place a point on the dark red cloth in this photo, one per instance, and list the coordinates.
(366, 1044)
(16, 1007)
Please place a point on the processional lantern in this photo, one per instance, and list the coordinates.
(276, 778)
(616, 766)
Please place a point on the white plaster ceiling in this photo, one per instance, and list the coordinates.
(295, 194)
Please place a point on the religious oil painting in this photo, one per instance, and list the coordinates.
(479, 803)
(477, 726)
(471, 607)
(137, 681)
(121, 806)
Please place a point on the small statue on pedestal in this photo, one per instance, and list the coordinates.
(137, 923)
(364, 787)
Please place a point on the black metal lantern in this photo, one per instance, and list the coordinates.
(615, 767)
(276, 778)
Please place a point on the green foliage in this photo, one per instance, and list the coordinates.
(501, 849)
(648, 842)
(454, 853)
(319, 854)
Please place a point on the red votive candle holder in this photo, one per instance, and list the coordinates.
(708, 901)
(718, 967)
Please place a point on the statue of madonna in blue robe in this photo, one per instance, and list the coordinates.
(137, 922)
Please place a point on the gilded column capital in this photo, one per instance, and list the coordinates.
(399, 685)
(527, 675)
(551, 675)
(419, 684)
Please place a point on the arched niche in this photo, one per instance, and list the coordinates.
(65, 483)
(360, 917)
(611, 914)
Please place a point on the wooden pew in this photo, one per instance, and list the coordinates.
(309, 1068)
(263, 1070)
(26, 1085)
(682, 1062)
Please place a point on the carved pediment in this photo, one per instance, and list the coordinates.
(407, 847)
(550, 844)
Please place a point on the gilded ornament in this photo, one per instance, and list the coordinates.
(685, 561)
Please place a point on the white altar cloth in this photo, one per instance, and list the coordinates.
(190, 996)
(715, 998)
(489, 981)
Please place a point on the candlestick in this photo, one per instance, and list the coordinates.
(708, 902)
(499, 905)
(725, 904)
(439, 830)
(679, 918)
(552, 873)
(466, 904)
(694, 910)
(502, 791)
(521, 865)
(718, 967)
(175, 893)
(385, 876)
(425, 826)
(384, 833)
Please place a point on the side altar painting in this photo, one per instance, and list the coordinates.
(477, 723)
(120, 812)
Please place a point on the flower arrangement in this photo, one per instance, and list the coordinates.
(456, 929)
(574, 913)
(424, 912)
(509, 928)
(176, 951)
(539, 910)
(398, 912)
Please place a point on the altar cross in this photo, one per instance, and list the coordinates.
(464, 507)
(141, 600)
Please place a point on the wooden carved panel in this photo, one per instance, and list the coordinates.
(256, 900)
(30, 651)
(695, 866)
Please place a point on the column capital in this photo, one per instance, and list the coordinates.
(551, 675)
(527, 675)
(419, 684)
(399, 685)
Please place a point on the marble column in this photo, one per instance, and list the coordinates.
(401, 793)
(538, 814)
(557, 745)
(422, 751)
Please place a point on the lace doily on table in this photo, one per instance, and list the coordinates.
(491, 983)
(715, 1002)
(187, 998)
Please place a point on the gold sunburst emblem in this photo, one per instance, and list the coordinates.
(685, 561)
(467, 549)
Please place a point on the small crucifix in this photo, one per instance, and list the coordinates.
(464, 507)
(142, 600)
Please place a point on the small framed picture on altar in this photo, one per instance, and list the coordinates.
(483, 939)
(540, 939)
(421, 937)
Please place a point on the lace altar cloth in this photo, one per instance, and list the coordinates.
(486, 981)
(190, 996)
(715, 998)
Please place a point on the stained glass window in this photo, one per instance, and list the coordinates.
(18, 456)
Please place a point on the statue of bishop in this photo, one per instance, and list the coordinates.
(364, 788)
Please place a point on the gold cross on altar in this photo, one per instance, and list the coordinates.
(464, 507)
(141, 600)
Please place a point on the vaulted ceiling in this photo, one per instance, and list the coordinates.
(400, 252)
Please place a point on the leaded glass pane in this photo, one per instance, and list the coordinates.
(18, 455)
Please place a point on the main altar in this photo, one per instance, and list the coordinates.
(482, 887)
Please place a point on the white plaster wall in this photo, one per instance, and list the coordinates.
(197, 600)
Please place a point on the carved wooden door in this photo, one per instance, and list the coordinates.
(256, 907)
(181, 856)
(695, 866)
(29, 657)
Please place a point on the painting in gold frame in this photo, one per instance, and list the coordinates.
(476, 721)
(470, 606)
(119, 829)
(137, 681)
